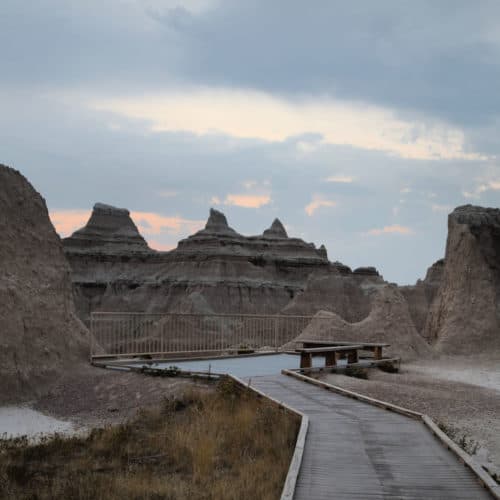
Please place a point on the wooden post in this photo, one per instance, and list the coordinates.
(378, 352)
(276, 333)
(91, 337)
(352, 356)
(330, 359)
(305, 360)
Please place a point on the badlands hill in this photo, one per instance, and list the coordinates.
(216, 269)
(220, 270)
(40, 335)
(111, 268)
(455, 307)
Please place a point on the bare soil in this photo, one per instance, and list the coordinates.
(94, 397)
(463, 394)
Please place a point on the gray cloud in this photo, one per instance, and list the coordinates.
(75, 159)
(440, 59)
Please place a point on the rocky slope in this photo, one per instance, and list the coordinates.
(346, 294)
(465, 315)
(420, 296)
(40, 335)
(389, 320)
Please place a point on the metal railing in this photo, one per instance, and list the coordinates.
(140, 334)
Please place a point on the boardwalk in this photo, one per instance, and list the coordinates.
(358, 451)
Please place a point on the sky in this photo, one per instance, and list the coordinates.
(359, 124)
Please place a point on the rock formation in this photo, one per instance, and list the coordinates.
(217, 224)
(109, 230)
(216, 269)
(465, 315)
(40, 335)
(277, 230)
(220, 270)
(109, 259)
(388, 321)
(346, 294)
(421, 296)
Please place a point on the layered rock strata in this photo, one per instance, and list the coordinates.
(109, 230)
(226, 271)
(347, 295)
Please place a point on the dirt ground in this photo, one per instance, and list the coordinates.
(96, 396)
(461, 393)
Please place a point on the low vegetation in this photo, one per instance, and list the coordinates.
(468, 444)
(388, 367)
(224, 444)
(356, 372)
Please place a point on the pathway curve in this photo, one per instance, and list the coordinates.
(358, 451)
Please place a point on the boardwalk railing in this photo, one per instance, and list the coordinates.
(136, 334)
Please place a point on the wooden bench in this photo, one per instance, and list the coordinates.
(330, 352)
(375, 347)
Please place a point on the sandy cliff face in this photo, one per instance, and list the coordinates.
(40, 335)
(465, 315)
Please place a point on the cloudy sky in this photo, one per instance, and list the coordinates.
(359, 124)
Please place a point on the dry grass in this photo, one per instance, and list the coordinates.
(219, 445)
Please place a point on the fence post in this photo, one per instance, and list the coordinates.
(91, 335)
(275, 333)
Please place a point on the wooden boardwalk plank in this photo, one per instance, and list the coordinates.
(358, 451)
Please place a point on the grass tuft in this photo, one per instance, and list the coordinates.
(468, 444)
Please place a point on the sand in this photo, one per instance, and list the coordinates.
(480, 371)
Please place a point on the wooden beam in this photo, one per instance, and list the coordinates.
(331, 358)
(321, 350)
(352, 356)
(333, 343)
(305, 360)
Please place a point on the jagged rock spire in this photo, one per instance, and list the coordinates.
(277, 230)
(322, 251)
(217, 223)
(109, 228)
